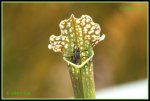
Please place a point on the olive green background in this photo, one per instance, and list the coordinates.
(31, 70)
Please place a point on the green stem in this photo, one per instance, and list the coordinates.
(82, 78)
(83, 81)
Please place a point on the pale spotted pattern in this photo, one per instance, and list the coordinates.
(82, 30)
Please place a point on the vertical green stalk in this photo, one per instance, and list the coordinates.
(83, 81)
(76, 42)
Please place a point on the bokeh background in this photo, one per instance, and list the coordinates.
(29, 66)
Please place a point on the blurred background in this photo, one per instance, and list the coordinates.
(31, 70)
